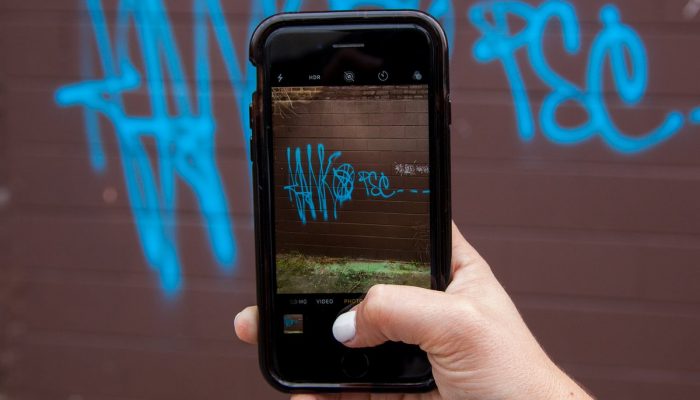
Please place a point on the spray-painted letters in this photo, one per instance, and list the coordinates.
(312, 189)
(182, 124)
(613, 46)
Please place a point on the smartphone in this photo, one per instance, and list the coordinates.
(351, 174)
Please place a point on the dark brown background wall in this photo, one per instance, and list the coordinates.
(599, 249)
(378, 129)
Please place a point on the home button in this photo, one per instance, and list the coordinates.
(354, 364)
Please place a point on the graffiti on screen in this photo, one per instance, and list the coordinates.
(309, 188)
(185, 139)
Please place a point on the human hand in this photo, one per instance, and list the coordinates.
(477, 343)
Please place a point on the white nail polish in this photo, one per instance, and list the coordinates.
(344, 327)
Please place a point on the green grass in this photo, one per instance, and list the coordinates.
(298, 273)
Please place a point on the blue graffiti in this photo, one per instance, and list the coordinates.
(695, 116)
(302, 185)
(415, 191)
(184, 137)
(617, 45)
(299, 189)
(181, 125)
(343, 184)
(375, 186)
(309, 191)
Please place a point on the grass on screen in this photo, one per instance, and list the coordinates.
(298, 273)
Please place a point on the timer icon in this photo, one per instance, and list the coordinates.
(383, 76)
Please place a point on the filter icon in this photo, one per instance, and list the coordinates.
(417, 76)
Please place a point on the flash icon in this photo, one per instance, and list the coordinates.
(279, 78)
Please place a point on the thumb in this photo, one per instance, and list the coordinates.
(400, 314)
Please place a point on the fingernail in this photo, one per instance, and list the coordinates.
(236, 318)
(344, 327)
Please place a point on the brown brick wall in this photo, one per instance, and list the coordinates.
(599, 249)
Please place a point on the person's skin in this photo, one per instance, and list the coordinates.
(477, 343)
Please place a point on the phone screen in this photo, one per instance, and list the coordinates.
(350, 142)
(352, 187)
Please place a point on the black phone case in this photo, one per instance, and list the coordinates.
(441, 225)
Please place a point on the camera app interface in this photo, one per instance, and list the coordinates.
(351, 177)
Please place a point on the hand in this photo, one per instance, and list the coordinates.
(477, 343)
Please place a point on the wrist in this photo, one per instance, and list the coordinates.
(561, 386)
